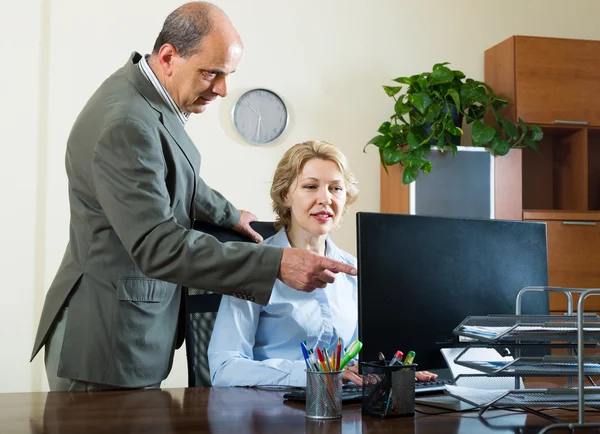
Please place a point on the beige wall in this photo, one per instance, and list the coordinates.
(326, 58)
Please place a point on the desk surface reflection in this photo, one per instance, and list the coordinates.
(229, 410)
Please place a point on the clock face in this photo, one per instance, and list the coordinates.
(260, 116)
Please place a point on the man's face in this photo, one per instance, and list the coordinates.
(198, 79)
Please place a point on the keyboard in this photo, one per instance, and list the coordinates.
(429, 387)
(354, 393)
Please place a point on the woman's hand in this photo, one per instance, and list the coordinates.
(350, 373)
(425, 376)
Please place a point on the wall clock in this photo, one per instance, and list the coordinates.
(260, 116)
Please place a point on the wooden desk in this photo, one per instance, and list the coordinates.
(222, 410)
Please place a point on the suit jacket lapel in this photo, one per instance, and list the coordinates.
(167, 117)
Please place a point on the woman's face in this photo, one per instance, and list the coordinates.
(317, 197)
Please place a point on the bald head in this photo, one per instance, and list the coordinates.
(188, 25)
(196, 51)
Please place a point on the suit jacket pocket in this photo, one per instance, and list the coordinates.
(144, 329)
(141, 289)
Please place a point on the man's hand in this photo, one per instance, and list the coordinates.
(243, 226)
(307, 271)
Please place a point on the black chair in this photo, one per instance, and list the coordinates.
(202, 306)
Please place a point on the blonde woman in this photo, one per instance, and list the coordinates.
(253, 345)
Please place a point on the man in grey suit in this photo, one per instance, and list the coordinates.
(113, 315)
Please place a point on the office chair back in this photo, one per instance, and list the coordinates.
(202, 307)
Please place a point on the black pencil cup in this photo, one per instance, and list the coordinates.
(388, 391)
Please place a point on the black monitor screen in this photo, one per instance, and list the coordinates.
(419, 277)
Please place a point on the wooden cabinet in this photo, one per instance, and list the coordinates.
(555, 83)
(573, 253)
(549, 80)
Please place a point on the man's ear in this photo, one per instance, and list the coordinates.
(166, 57)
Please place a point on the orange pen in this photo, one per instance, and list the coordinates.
(333, 365)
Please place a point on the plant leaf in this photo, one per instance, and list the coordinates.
(403, 80)
(382, 161)
(476, 112)
(452, 93)
(480, 95)
(410, 174)
(401, 109)
(441, 74)
(523, 126)
(384, 128)
(466, 95)
(459, 75)
(392, 90)
(398, 130)
(433, 112)
(392, 156)
(481, 135)
(451, 128)
(421, 101)
(413, 140)
(500, 147)
(454, 149)
(380, 141)
(537, 134)
(499, 103)
(531, 143)
(426, 168)
(510, 128)
(441, 141)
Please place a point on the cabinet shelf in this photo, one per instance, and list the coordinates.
(561, 215)
(565, 175)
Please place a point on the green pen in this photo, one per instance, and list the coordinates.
(409, 358)
(353, 350)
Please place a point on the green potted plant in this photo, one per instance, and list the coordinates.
(429, 112)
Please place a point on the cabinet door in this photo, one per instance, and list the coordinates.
(557, 80)
(574, 260)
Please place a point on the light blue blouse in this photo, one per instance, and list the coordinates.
(252, 345)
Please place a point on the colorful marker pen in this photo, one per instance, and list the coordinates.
(409, 358)
(397, 358)
(321, 360)
(305, 355)
(314, 362)
(353, 350)
(327, 360)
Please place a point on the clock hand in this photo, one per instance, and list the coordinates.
(254, 110)
(258, 127)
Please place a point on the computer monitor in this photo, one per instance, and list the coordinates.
(420, 276)
(460, 185)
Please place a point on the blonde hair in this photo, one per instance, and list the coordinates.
(290, 167)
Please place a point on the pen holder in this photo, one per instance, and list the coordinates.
(323, 395)
(388, 391)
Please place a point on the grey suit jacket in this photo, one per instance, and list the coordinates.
(135, 191)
